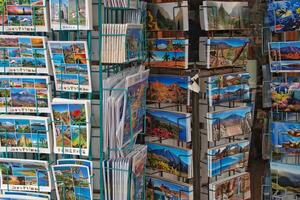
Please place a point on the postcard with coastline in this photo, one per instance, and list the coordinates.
(72, 182)
(169, 125)
(233, 187)
(23, 16)
(172, 160)
(87, 163)
(25, 175)
(71, 14)
(161, 188)
(284, 56)
(20, 133)
(168, 89)
(228, 157)
(222, 15)
(29, 195)
(229, 123)
(24, 94)
(285, 97)
(71, 122)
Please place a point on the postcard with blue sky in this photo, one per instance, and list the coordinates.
(87, 163)
(226, 80)
(134, 38)
(30, 195)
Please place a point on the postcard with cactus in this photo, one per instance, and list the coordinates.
(26, 195)
(25, 175)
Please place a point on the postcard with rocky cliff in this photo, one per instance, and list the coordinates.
(23, 54)
(25, 175)
(24, 94)
(23, 16)
(229, 123)
(20, 133)
(71, 66)
(222, 15)
(71, 122)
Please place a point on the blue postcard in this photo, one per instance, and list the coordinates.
(134, 38)
(87, 163)
(31, 195)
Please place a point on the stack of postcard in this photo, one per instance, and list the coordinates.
(71, 14)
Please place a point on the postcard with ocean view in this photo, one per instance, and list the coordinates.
(31, 195)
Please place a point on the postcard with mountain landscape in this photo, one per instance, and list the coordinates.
(23, 54)
(20, 133)
(25, 175)
(71, 122)
(284, 56)
(172, 160)
(169, 125)
(227, 157)
(72, 182)
(222, 15)
(229, 123)
(24, 94)
(161, 188)
(23, 16)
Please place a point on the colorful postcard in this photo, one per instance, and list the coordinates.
(19, 197)
(71, 66)
(72, 182)
(233, 187)
(224, 52)
(172, 160)
(160, 188)
(168, 53)
(25, 175)
(24, 94)
(169, 125)
(285, 177)
(23, 54)
(23, 16)
(133, 42)
(29, 195)
(71, 122)
(284, 56)
(20, 133)
(87, 163)
(222, 15)
(229, 123)
(227, 157)
(285, 96)
(168, 89)
(71, 14)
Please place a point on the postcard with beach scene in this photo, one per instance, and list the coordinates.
(227, 157)
(169, 125)
(223, 52)
(71, 14)
(71, 66)
(72, 182)
(168, 89)
(25, 175)
(20, 133)
(222, 15)
(161, 188)
(23, 54)
(232, 187)
(24, 94)
(229, 123)
(71, 122)
(172, 160)
(23, 16)
(29, 195)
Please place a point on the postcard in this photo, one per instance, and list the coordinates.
(87, 163)
(169, 125)
(19, 197)
(71, 66)
(285, 97)
(168, 89)
(161, 188)
(224, 52)
(229, 123)
(284, 56)
(25, 175)
(133, 42)
(71, 14)
(20, 133)
(222, 15)
(25, 94)
(72, 182)
(232, 187)
(172, 160)
(29, 195)
(227, 157)
(72, 127)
